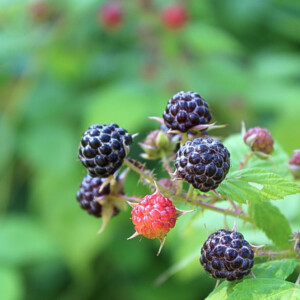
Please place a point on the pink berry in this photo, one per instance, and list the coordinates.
(294, 164)
(154, 216)
(260, 140)
(174, 16)
(111, 15)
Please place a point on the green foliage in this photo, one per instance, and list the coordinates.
(280, 269)
(268, 218)
(256, 185)
(269, 284)
(276, 163)
(11, 285)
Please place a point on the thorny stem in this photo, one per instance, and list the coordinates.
(246, 159)
(167, 166)
(127, 198)
(222, 210)
(272, 253)
(146, 176)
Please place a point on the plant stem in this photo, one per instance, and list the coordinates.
(189, 194)
(126, 198)
(222, 210)
(167, 166)
(146, 176)
(184, 137)
(180, 197)
(246, 159)
(272, 253)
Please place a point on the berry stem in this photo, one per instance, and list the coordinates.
(183, 198)
(184, 137)
(222, 210)
(143, 173)
(126, 198)
(273, 253)
(246, 159)
(166, 165)
(189, 194)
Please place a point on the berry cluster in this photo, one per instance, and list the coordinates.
(203, 162)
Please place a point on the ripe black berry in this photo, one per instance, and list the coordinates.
(203, 162)
(186, 110)
(103, 149)
(226, 255)
(89, 191)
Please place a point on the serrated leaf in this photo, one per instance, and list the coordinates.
(222, 291)
(265, 288)
(280, 269)
(256, 185)
(269, 219)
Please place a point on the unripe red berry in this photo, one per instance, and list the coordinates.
(174, 16)
(111, 15)
(154, 216)
(259, 140)
(294, 164)
(40, 11)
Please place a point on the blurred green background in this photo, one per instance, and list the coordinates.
(61, 70)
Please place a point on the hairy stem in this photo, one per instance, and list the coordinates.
(146, 176)
(246, 159)
(167, 166)
(272, 253)
(222, 210)
(179, 197)
(126, 198)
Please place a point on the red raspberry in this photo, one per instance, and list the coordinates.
(111, 15)
(260, 140)
(40, 11)
(174, 16)
(294, 164)
(154, 216)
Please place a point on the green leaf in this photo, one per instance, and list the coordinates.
(269, 219)
(265, 288)
(222, 291)
(11, 285)
(24, 242)
(277, 163)
(210, 40)
(256, 185)
(280, 269)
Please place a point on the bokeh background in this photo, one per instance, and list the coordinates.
(62, 70)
